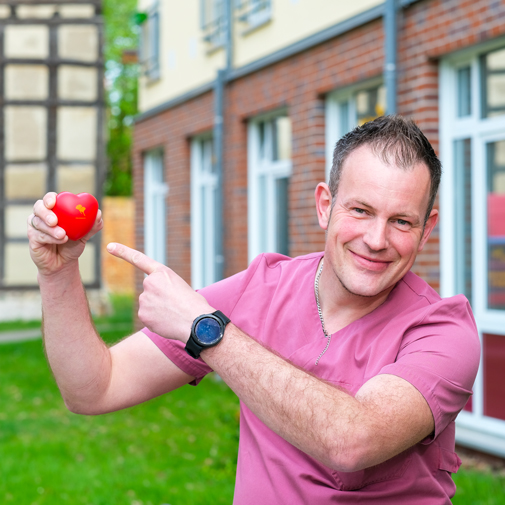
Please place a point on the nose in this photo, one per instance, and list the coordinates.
(375, 236)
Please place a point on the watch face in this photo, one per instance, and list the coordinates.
(208, 331)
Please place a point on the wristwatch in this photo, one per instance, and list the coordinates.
(207, 331)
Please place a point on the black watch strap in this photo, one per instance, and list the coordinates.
(225, 320)
(192, 348)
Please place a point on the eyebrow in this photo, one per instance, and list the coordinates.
(412, 217)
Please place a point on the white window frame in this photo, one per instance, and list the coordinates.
(150, 43)
(203, 221)
(155, 192)
(253, 13)
(272, 170)
(472, 428)
(335, 112)
(213, 22)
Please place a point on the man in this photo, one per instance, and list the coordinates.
(350, 369)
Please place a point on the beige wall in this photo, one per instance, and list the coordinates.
(118, 226)
(185, 59)
(293, 20)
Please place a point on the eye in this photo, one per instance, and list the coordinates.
(359, 211)
(403, 223)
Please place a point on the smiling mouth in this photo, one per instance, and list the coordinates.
(380, 264)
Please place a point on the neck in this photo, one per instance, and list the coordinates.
(339, 306)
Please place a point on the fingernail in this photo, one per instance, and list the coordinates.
(110, 247)
(51, 220)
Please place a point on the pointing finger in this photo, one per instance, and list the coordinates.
(135, 258)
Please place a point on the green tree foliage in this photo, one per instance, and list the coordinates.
(121, 33)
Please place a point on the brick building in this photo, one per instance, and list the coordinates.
(239, 120)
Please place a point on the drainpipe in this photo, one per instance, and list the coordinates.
(390, 50)
(219, 88)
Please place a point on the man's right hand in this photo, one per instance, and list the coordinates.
(50, 248)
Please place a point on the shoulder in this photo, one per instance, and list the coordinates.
(417, 296)
(261, 277)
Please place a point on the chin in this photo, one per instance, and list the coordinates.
(365, 288)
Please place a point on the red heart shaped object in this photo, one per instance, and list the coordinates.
(76, 213)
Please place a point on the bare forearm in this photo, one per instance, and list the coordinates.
(78, 357)
(314, 416)
(346, 433)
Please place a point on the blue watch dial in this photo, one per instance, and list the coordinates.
(208, 331)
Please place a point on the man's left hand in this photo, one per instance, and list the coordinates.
(168, 306)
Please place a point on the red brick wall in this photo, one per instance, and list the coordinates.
(427, 30)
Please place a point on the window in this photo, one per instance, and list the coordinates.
(150, 43)
(204, 210)
(349, 108)
(213, 22)
(269, 153)
(253, 13)
(155, 191)
(472, 217)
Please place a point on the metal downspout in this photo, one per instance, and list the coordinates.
(218, 136)
(390, 54)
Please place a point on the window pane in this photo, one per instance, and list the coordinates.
(281, 132)
(281, 215)
(208, 165)
(464, 92)
(370, 103)
(463, 213)
(493, 71)
(261, 137)
(344, 117)
(496, 224)
(493, 366)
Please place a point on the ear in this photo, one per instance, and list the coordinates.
(428, 228)
(323, 204)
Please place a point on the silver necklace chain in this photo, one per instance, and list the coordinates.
(316, 286)
(316, 289)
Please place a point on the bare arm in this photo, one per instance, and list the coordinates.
(92, 378)
(346, 433)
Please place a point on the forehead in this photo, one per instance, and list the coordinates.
(366, 175)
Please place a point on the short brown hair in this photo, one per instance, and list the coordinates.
(393, 139)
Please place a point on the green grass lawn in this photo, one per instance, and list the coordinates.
(179, 449)
(476, 487)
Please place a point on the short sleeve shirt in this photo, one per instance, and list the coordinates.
(430, 342)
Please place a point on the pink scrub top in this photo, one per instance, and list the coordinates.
(430, 342)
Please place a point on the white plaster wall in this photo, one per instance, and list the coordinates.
(184, 61)
(293, 20)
